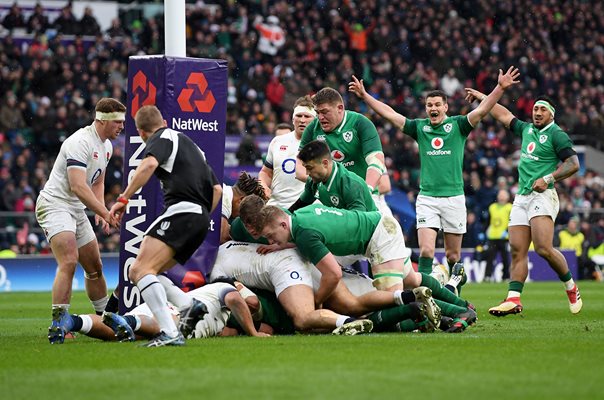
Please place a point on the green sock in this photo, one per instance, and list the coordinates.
(566, 277)
(385, 320)
(516, 286)
(407, 325)
(439, 292)
(448, 309)
(425, 265)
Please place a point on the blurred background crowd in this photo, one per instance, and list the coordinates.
(281, 50)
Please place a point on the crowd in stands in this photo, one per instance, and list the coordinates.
(281, 50)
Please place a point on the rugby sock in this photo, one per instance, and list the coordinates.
(174, 294)
(407, 325)
(406, 296)
(155, 296)
(77, 322)
(568, 281)
(439, 292)
(384, 320)
(133, 321)
(100, 304)
(398, 297)
(448, 309)
(113, 303)
(514, 291)
(86, 324)
(343, 319)
(63, 306)
(425, 265)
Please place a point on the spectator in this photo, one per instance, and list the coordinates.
(14, 18)
(88, 24)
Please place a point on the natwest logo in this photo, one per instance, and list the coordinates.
(337, 155)
(144, 92)
(437, 143)
(197, 86)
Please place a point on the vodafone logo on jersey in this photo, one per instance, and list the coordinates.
(437, 143)
(531, 147)
(338, 156)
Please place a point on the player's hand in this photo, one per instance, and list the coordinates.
(105, 226)
(357, 87)
(116, 213)
(540, 185)
(267, 248)
(509, 78)
(472, 95)
(261, 334)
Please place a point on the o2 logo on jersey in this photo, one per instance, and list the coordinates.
(531, 147)
(338, 156)
(295, 275)
(437, 143)
(289, 166)
(95, 176)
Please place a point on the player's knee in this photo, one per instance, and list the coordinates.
(426, 251)
(453, 256)
(544, 251)
(93, 276)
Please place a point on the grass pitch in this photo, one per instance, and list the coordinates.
(544, 353)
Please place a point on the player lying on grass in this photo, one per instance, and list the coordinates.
(323, 235)
(220, 299)
(293, 279)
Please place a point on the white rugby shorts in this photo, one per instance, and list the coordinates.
(535, 204)
(446, 213)
(56, 216)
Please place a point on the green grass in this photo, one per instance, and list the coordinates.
(546, 353)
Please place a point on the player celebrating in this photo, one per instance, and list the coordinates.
(536, 205)
(441, 140)
(278, 174)
(191, 192)
(77, 181)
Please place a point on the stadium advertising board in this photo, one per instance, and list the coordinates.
(191, 94)
(36, 273)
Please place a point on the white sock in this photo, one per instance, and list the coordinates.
(341, 320)
(398, 297)
(174, 294)
(454, 281)
(155, 296)
(138, 324)
(512, 293)
(64, 306)
(100, 304)
(86, 323)
(569, 284)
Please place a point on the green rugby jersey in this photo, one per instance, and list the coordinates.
(441, 151)
(540, 152)
(318, 230)
(344, 189)
(353, 140)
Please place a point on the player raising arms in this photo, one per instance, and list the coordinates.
(441, 140)
(544, 145)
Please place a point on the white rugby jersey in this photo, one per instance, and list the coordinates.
(212, 295)
(227, 201)
(281, 158)
(84, 149)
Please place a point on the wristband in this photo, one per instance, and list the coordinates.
(123, 200)
(549, 178)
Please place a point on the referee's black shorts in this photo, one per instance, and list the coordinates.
(183, 232)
